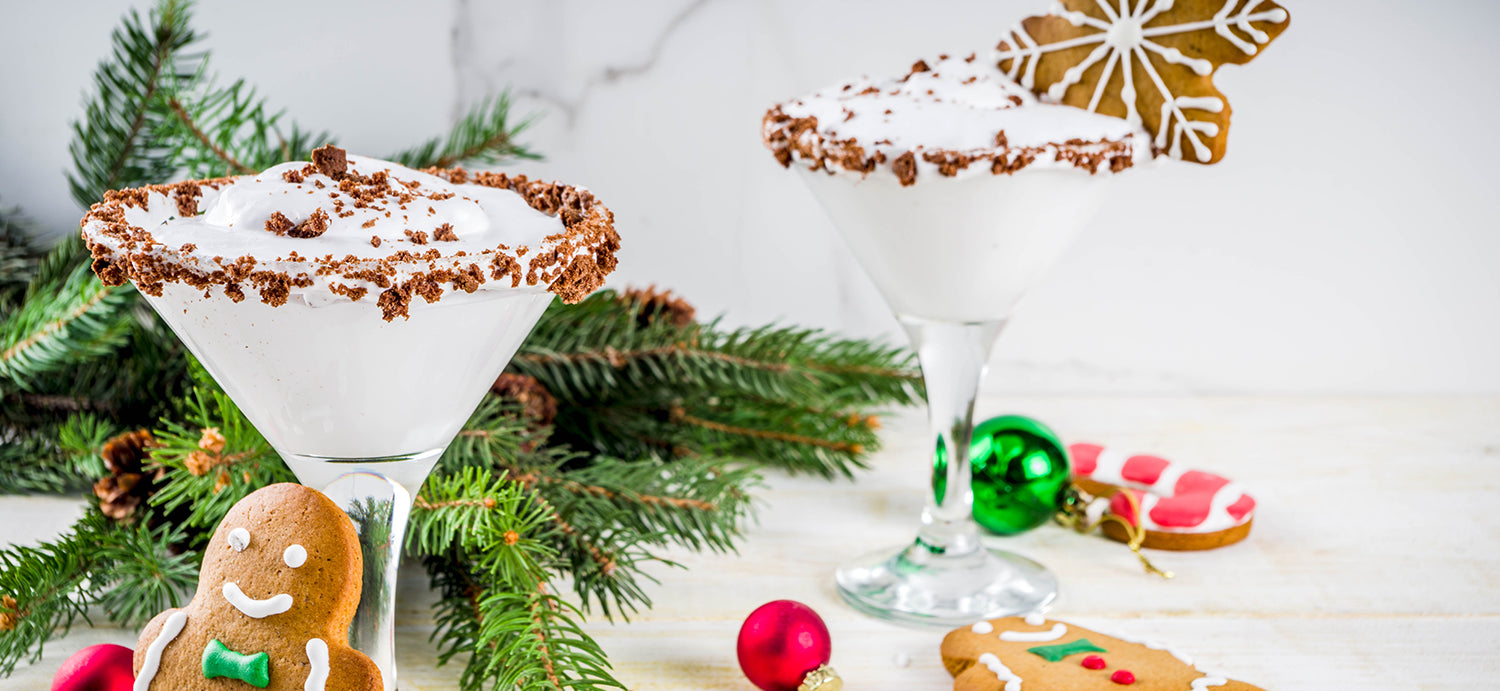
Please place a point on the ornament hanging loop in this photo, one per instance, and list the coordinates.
(1084, 512)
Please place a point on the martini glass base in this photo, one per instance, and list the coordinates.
(916, 586)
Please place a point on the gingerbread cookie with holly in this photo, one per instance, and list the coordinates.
(1178, 507)
(1150, 62)
(1001, 654)
(279, 586)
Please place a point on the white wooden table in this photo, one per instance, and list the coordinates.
(1374, 562)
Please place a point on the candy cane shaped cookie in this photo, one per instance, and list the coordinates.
(1181, 508)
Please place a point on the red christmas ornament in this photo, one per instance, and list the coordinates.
(784, 646)
(105, 667)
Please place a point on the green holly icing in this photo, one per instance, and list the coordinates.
(1055, 653)
(220, 661)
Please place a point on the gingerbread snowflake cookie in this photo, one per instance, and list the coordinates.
(1150, 62)
(1038, 654)
(279, 586)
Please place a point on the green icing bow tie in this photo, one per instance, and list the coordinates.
(220, 661)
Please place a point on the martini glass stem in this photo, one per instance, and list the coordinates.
(377, 494)
(953, 357)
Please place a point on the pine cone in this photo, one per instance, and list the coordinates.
(129, 484)
(655, 305)
(536, 401)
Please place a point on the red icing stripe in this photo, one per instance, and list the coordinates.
(1085, 458)
(1143, 470)
(1120, 506)
(1197, 481)
(1241, 508)
(1184, 511)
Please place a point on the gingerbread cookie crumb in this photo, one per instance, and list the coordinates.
(315, 225)
(331, 161)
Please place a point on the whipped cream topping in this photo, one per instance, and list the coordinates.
(350, 226)
(232, 219)
(952, 117)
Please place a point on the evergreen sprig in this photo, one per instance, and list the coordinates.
(113, 145)
(483, 135)
(129, 571)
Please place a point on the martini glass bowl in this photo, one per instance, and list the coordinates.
(359, 407)
(952, 256)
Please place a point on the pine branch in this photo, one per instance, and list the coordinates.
(601, 348)
(19, 257)
(205, 477)
(485, 547)
(113, 145)
(67, 317)
(216, 131)
(54, 459)
(483, 135)
(130, 571)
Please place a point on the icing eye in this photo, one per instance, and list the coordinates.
(295, 556)
(239, 539)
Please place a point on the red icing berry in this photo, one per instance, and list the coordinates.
(1085, 458)
(1145, 470)
(1240, 508)
(1123, 677)
(1093, 662)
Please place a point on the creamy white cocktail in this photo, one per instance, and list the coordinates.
(357, 311)
(956, 189)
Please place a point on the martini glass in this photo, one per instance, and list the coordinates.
(359, 407)
(952, 256)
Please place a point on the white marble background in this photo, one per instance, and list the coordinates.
(1347, 244)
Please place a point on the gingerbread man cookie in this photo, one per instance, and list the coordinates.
(1180, 508)
(1037, 654)
(1150, 62)
(279, 586)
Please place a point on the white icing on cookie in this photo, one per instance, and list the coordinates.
(295, 556)
(1035, 619)
(1202, 683)
(982, 627)
(169, 630)
(239, 539)
(317, 656)
(1003, 673)
(1058, 631)
(253, 608)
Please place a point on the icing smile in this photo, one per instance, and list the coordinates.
(253, 608)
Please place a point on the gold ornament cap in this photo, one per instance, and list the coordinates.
(822, 679)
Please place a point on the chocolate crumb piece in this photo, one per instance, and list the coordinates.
(187, 248)
(374, 240)
(393, 303)
(444, 233)
(315, 225)
(417, 237)
(920, 66)
(331, 161)
(1000, 140)
(278, 223)
(292, 176)
(905, 167)
(187, 198)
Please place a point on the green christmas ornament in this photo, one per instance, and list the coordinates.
(1020, 474)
